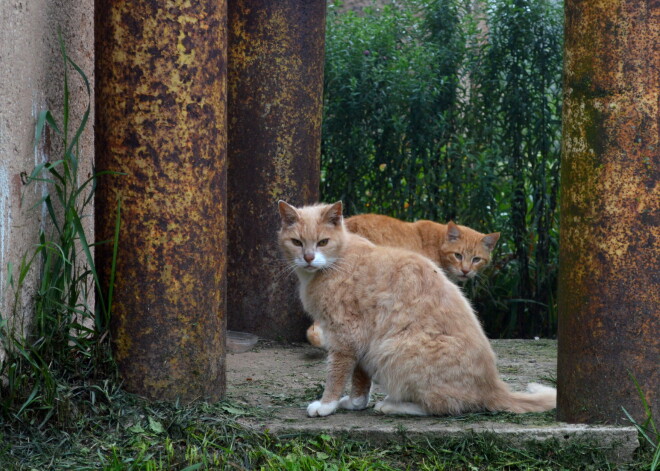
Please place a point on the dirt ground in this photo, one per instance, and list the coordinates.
(279, 380)
(269, 388)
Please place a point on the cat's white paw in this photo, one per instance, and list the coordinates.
(321, 409)
(355, 403)
(378, 406)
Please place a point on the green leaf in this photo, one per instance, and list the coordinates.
(155, 426)
(137, 428)
(193, 467)
(233, 410)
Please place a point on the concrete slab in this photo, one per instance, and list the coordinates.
(274, 382)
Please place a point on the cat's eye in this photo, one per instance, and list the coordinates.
(476, 259)
(296, 242)
(458, 256)
(323, 242)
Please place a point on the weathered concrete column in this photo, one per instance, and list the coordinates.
(609, 281)
(161, 119)
(276, 54)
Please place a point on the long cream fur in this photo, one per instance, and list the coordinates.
(460, 251)
(392, 315)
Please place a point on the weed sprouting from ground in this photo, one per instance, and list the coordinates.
(58, 357)
(649, 434)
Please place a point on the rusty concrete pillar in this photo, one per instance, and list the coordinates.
(609, 295)
(276, 54)
(161, 119)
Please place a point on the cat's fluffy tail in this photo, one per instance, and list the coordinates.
(539, 398)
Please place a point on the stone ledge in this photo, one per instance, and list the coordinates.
(618, 443)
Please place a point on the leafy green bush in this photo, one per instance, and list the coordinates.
(430, 115)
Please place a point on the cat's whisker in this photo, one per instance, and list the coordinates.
(342, 269)
(281, 265)
(338, 266)
(286, 271)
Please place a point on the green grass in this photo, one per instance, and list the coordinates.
(120, 431)
(649, 435)
(60, 350)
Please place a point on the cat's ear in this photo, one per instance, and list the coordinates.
(333, 214)
(453, 232)
(288, 213)
(490, 240)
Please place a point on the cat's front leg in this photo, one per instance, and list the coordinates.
(360, 389)
(340, 366)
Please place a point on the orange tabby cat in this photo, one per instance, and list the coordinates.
(459, 250)
(392, 315)
(462, 252)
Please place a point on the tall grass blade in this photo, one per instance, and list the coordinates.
(647, 429)
(64, 346)
(44, 117)
(65, 118)
(649, 422)
(113, 269)
(85, 117)
(75, 219)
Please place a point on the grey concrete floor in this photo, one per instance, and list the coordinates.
(274, 382)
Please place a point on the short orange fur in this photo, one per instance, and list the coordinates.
(460, 251)
(391, 315)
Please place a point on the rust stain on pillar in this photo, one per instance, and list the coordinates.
(609, 286)
(161, 119)
(276, 56)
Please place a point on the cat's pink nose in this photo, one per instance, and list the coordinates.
(465, 272)
(308, 257)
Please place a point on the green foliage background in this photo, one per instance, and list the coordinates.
(430, 115)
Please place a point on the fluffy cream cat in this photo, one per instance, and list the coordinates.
(392, 315)
(460, 251)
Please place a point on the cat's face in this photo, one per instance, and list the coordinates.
(311, 237)
(466, 252)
